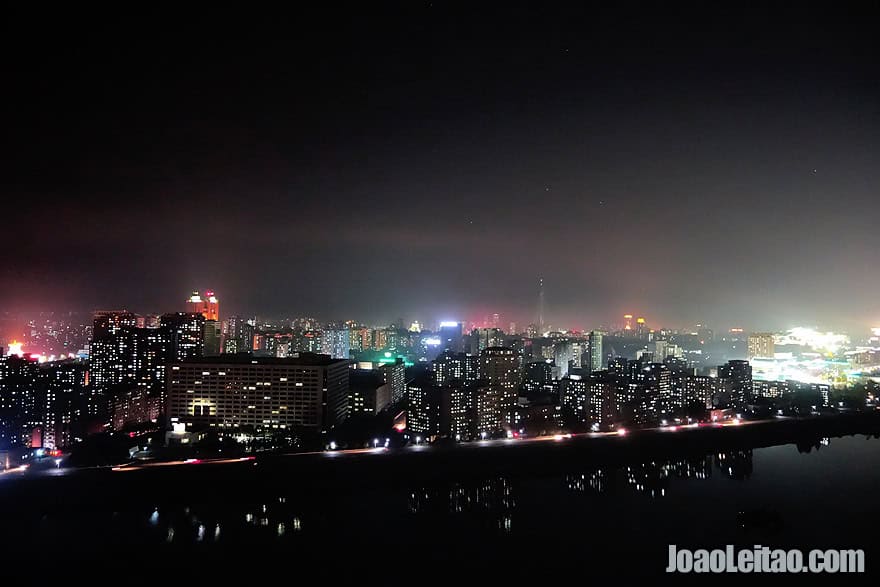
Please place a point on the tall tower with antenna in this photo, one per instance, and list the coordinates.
(541, 306)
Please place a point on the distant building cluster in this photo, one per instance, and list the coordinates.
(574, 381)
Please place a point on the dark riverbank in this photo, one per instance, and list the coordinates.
(431, 464)
(600, 506)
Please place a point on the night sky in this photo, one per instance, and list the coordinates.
(432, 161)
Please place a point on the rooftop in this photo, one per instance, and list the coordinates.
(305, 359)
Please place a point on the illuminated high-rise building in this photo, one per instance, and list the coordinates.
(574, 397)
(336, 343)
(238, 335)
(658, 400)
(365, 338)
(185, 332)
(761, 345)
(380, 339)
(207, 306)
(449, 365)
(354, 340)
(118, 355)
(195, 304)
(699, 390)
(501, 366)
(602, 397)
(501, 370)
(579, 352)
(734, 383)
(393, 339)
(423, 407)
(61, 402)
(17, 400)
(641, 328)
(124, 358)
(493, 411)
(394, 374)
(627, 322)
(461, 401)
(595, 344)
(213, 310)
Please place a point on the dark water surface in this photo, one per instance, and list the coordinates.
(389, 516)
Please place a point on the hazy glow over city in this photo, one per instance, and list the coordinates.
(819, 341)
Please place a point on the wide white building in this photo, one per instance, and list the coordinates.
(255, 395)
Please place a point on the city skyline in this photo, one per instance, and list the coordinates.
(468, 319)
(473, 320)
(417, 290)
(185, 373)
